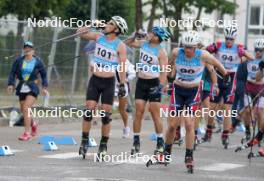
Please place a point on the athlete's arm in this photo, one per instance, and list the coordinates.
(163, 61)
(173, 58)
(259, 76)
(133, 42)
(249, 56)
(212, 73)
(210, 59)
(122, 62)
(260, 73)
(85, 33)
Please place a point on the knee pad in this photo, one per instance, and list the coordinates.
(87, 115)
(106, 118)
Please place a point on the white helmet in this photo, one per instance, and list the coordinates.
(190, 38)
(120, 23)
(259, 43)
(230, 31)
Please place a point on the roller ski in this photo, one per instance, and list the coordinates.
(247, 145)
(207, 137)
(178, 141)
(159, 158)
(255, 155)
(101, 153)
(83, 148)
(246, 138)
(189, 164)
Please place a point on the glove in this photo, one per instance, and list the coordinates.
(211, 48)
(227, 79)
(156, 91)
(261, 65)
(241, 52)
(122, 90)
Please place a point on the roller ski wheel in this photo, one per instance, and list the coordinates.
(259, 154)
(83, 150)
(251, 155)
(245, 139)
(157, 159)
(242, 147)
(149, 163)
(101, 153)
(189, 164)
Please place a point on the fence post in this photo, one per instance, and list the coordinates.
(52, 52)
(75, 66)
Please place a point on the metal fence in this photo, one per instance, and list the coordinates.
(67, 78)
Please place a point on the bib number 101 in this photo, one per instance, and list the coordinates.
(103, 53)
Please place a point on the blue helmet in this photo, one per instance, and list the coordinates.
(162, 33)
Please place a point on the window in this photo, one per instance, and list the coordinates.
(256, 20)
(255, 15)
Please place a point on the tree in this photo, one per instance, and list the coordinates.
(174, 9)
(80, 9)
(139, 15)
(24, 9)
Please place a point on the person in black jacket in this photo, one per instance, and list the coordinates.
(26, 69)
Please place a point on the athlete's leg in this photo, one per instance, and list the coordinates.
(122, 110)
(26, 106)
(154, 108)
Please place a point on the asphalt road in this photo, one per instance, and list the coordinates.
(30, 162)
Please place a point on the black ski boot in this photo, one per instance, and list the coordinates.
(136, 148)
(225, 140)
(83, 148)
(101, 152)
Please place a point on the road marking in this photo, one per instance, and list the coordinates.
(220, 167)
(16, 151)
(66, 155)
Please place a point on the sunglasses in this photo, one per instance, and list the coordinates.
(231, 39)
(189, 47)
(258, 49)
